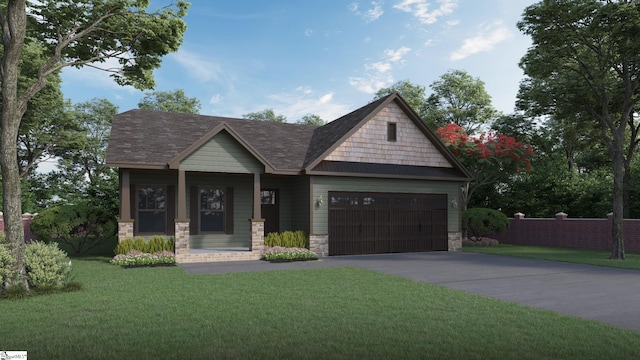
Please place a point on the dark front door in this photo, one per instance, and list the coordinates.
(270, 208)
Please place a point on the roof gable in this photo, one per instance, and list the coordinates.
(370, 144)
(346, 134)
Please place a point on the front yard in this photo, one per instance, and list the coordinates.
(332, 313)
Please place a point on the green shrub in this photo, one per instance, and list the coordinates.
(80, 226)
(170, 245)
(288, 239)
(273, 239)
(47, 266)
(156, 243)
(124, 246)
(481, 222)
(140, 244)
(6, 263)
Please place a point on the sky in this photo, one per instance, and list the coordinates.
(325, 57)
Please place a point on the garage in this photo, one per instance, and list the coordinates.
(374, 223)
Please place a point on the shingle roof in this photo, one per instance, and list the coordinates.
(143, 137)
(152, 139)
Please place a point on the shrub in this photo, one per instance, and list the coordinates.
(6, 263)
(288, 239)
(480, 222)
(47, 266)
(140, 244)
(138, 258)
(80, 226)
(286, 253)
(171, 245)
(156, 243)
(124, 246)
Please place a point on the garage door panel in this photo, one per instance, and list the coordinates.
(369, 223)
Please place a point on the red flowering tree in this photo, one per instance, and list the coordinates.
(488, 157)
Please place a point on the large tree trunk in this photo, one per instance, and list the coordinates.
(13, 34)
(617, 246)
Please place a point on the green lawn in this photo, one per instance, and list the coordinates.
(332, 313)
(580, 256)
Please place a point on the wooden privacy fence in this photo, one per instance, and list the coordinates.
(26, 222)
(573, 233)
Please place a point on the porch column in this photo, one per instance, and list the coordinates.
(125, 222)
(257, 222)
(182, 222)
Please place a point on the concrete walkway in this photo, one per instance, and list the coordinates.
(611, 296)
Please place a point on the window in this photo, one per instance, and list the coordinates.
(391, 131)
(151, 203)
(268, 197)
(212, 206)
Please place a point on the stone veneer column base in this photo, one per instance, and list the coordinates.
(319, 244)
(257, 236)
(125, 230)
(182, 238)
(455, 241)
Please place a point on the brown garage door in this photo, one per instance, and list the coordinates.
(373, 223)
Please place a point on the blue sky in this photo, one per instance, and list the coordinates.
(326, 57)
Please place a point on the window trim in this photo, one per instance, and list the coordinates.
(223, 211)
(392, 131)
(138, 188)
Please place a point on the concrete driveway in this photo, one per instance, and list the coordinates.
(611, 296)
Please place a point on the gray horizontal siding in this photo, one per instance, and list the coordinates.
(323, 184)
(222, 154)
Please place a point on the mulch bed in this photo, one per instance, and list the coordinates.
(290, 260)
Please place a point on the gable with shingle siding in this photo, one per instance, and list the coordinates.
(369, 143)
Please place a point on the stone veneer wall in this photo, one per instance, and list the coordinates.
(125, 230)
(182, 238)
(455, 241)
(319, 244)
(257, 236)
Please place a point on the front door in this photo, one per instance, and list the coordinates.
(270, 208)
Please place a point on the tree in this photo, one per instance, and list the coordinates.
(170, 101)
(488, 157)
(82, 174)
(80, 226)
(311, 119)
(460, 99)
(586, 54)
(265, 115)
(414, 95)
(74, 33)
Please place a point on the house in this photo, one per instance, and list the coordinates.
(376, 180)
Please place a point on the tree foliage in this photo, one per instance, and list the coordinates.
(265, 115)
(80, 226)
(170, 101)
(460, 99)
(585, 62)
(311, 119)
(73, 33)
(488, 157)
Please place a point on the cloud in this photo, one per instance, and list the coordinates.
(302, 101)
(92, 75)
(197, 67)
(378, 74)
(396, 55)
(420, 9)
(486, 40)
(368, 15)
(308, 32)
(215, 99)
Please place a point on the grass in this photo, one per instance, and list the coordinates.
(580, 256)
(332, 313)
